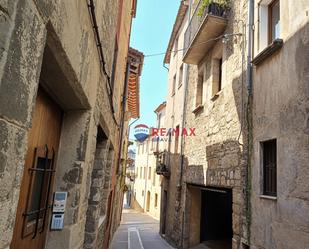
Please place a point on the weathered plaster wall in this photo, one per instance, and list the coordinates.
(280, 110)
(173, 118)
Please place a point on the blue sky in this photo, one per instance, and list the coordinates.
(151, 31)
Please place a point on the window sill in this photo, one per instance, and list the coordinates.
(267, 52)
(173, 94)
(179, 85)
(268, 197)
(198, 109)
(215, 96)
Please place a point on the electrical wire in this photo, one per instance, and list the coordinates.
(93, 19)
(198, 44)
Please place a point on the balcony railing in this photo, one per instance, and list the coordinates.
(206, 24)
(162, 168)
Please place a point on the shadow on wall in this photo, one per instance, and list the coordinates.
(135, 205)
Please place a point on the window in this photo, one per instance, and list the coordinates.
(143, 193)
(153, 143)
(269, 153)
(176, 134)
(269, 23)
(144, 172)
(176, 46)
(149, 173)
(137, 172)
(156, 200)
(274, 21)
(147, 146)
(174, 85)
(199, 89)
(141, 173)
(180, 76)
(154, 177)
(220, 75)
(216, 76)
(159, 120)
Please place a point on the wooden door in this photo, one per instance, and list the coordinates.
(32, 215)
(163, 212)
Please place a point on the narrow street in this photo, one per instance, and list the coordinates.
(138, 231)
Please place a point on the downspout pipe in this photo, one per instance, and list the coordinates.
(250, 44)
(249, 115)
(124, 104)
(95, 27)
(131, 125)
(182, 161)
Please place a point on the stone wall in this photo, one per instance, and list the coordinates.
(216, 156)
(55, 40)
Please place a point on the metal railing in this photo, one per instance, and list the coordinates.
(198, 18)
(162, 165)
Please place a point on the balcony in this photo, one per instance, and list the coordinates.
(161, 168)
(206, 25)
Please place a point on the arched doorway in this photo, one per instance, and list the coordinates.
(148, 201)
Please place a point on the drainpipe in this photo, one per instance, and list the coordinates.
(182, 147)
(124, 103)
(250, 44)
(249, 114)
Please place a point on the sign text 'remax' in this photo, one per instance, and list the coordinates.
(173, 132)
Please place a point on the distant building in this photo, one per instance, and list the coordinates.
(130, 177)
(147, 184)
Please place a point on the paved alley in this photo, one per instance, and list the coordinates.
(138, 231)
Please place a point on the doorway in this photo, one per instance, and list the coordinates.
(37, 183)
(163, 212)
(148, 201)
(216, 218)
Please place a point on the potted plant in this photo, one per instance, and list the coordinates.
(215, 7)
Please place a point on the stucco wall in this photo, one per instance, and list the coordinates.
(147, 162)
(280, 110)
(173, 118)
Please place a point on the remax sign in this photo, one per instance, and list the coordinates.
(141, 132)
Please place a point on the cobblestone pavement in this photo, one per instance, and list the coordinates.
(138, 231)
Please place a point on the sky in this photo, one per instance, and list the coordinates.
(151, 31)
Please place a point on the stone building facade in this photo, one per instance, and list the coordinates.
(208, 170)
(64, 72)
(242, 180)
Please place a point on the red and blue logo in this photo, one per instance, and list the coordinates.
(141, 132)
